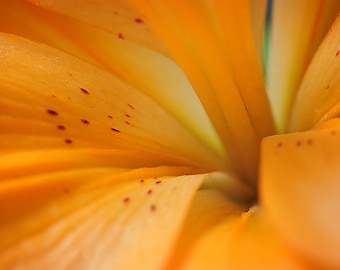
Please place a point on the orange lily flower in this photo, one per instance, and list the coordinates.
(141, 134)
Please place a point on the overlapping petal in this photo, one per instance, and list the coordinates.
(70, 149)
(95, 174)
(299, 173)
(158, 77)
(318, 97)
(217, 57)
(297, 29)
(300, 191)
(117, 17)
(209, 209)
(222, 234)
(219, 39)
(39, 161)
(93, 218)
(50, 99)
(258, 10)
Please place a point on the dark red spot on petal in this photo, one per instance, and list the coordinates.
(115, 130)
(139, 20)
(309, 141)
(51, 112)
(131, 106)
(110, 116)
(149, 192)
(128, 123)
(153, 208)
(86, 122)
(158, 182)
(327, 87)
(84, 91)
(298, 143)
(120, 36)
(61, 127)
(68, 141)
(141, 181)
(54, 96)
(126, 200)
(279, 144)
(337, 53)
(127, 115)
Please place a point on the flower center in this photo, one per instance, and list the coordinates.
(234, 187)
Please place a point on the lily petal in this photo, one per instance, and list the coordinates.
(114, 16)
(166, 83)
(26, 20)
(50, 99)
(318, 97)
(129, 213)
(297, 29)
(258, 10)
(299, 189)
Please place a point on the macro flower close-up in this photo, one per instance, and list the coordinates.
(147, 134)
